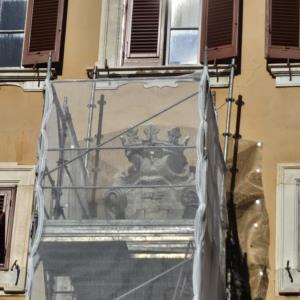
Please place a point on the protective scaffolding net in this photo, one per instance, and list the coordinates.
(129, 192)
(251, 215)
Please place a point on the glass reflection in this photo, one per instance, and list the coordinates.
(12, 14)
(184, 47)
(185, 13)
(11, 49)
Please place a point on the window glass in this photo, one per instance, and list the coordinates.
(184, 13)
(11, 49)
(184, 47)
(12, 15)
(184, 42)
(12, 20)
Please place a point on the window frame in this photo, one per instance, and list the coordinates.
(163, 51)
(130, 59)
(287, 230)
(112, 39)
(28, 78)
(8, 229)
(169, 28)
(22, 177)
(20, 67)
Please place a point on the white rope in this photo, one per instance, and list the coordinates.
(39, 195)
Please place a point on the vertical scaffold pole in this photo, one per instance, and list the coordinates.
(49, 66)
(229, 101)
(91, 107)
(96, 170)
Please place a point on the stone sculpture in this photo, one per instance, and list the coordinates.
(161, 165)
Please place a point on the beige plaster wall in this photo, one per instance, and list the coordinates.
(270, 115)
(82, 38)
(20, 115)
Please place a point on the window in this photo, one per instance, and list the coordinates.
(29, 44)
(12, 21)
(287, 229)
(183, 32)
(282, 30)
(167, 32)
(43, 31)
(16, 201)
(7, 203)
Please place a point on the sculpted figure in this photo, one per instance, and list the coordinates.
(115, 204)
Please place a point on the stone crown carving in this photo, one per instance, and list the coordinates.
(155, 161)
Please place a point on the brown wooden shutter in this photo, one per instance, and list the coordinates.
(43, 32)
(220, 26)
(144, 32)
(282, 30)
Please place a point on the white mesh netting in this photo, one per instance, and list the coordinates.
(129, 192)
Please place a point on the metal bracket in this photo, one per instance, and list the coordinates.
(290, 70)
(288, 269)
(17, 267)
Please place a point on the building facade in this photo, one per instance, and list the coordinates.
(108, 34)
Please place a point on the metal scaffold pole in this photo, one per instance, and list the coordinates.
(91, 107)
(229, 101)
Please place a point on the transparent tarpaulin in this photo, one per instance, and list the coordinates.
(125, 164)
(252, 216)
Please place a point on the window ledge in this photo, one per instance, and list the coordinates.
(27, 78)
(219, 75)
(286, 287)
(286, 75)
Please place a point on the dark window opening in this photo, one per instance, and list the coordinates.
(7, 204)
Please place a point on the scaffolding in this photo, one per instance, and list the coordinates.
(129, 191)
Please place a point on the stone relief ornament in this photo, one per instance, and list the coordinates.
(157, 163)
(115, 204)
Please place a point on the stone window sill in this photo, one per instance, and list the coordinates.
(285, 74)
(219, 76)
(27, 78)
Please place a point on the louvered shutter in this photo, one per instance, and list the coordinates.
(43, 31)
(220, 29)
(283, 29)
(144, 32)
